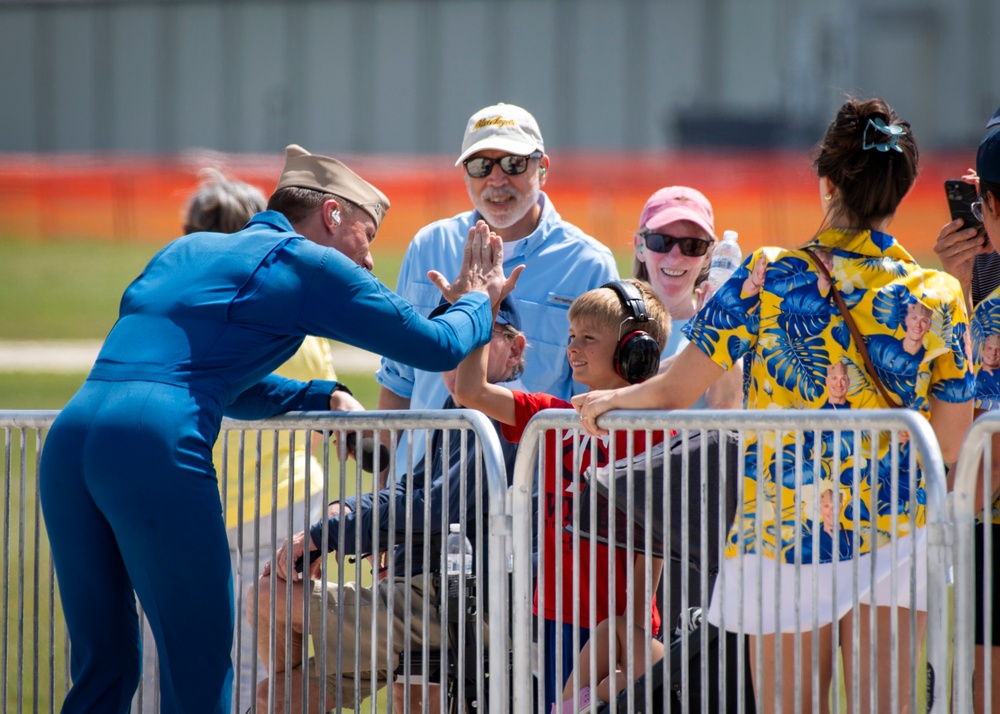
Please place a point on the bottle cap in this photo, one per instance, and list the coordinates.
(455, 528)
(727, 235)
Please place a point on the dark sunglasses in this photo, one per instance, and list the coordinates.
(662, 243)
(511, 164)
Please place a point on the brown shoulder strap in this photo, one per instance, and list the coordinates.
(858, 341)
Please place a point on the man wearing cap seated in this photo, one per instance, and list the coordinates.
(127, 484)
(349, 611)
(505, 168)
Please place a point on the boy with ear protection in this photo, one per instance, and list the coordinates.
(616, 336)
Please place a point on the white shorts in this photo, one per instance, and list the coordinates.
(822, 594)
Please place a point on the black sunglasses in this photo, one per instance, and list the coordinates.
(662, 243)
(511, 164)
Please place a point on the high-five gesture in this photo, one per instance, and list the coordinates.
(482, 268)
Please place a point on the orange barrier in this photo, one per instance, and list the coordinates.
(769, 197)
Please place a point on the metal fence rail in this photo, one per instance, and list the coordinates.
(973, 481)
(34, 647)
(697, 672)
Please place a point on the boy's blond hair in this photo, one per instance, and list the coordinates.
(603, 307)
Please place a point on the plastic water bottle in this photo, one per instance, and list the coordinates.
(726, 258)
(458, 551)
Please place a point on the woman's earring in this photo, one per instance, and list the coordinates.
(828, 197)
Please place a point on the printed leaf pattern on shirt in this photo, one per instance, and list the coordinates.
(790, 335)
(986, 323)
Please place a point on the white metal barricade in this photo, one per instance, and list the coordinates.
(972, 484)
(34, 647)
(695, 672)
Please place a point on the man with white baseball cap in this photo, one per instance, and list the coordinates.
(505, 168)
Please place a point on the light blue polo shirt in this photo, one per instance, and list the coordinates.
(561, 262)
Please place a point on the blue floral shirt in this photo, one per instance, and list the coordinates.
(779, 313)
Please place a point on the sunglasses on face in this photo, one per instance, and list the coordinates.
(511, 164)
(663, 243)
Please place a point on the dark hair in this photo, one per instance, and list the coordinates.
(870, 182)
(989, 187)
(298, 204)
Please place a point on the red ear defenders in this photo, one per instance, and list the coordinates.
(637, 357)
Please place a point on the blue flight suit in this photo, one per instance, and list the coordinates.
(128, 488)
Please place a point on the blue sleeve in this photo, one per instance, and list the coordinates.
(303, 288)
(346, 303)
(277, 395)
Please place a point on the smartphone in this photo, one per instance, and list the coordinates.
(961, 196)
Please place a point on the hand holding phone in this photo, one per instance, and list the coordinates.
(961, 196)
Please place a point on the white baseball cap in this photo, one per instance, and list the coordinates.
(504, 127)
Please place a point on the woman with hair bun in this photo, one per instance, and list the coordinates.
(776, 311)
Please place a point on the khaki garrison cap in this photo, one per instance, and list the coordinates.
(321, 173)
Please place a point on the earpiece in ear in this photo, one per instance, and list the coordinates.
(335, 218)
(640, 248)
(543, 170)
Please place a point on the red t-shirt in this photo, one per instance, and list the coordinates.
(560, 457)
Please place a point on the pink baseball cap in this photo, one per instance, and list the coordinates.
(678, 203)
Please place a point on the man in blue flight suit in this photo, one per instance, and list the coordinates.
(128, 488)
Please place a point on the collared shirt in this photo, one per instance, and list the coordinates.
(561, 262)
(794, 332)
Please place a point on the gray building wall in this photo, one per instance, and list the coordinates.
(402, 76)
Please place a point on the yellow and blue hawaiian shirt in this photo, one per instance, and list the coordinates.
(778, 313)
(986, 357)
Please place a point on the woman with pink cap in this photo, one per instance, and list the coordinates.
(673, 248)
